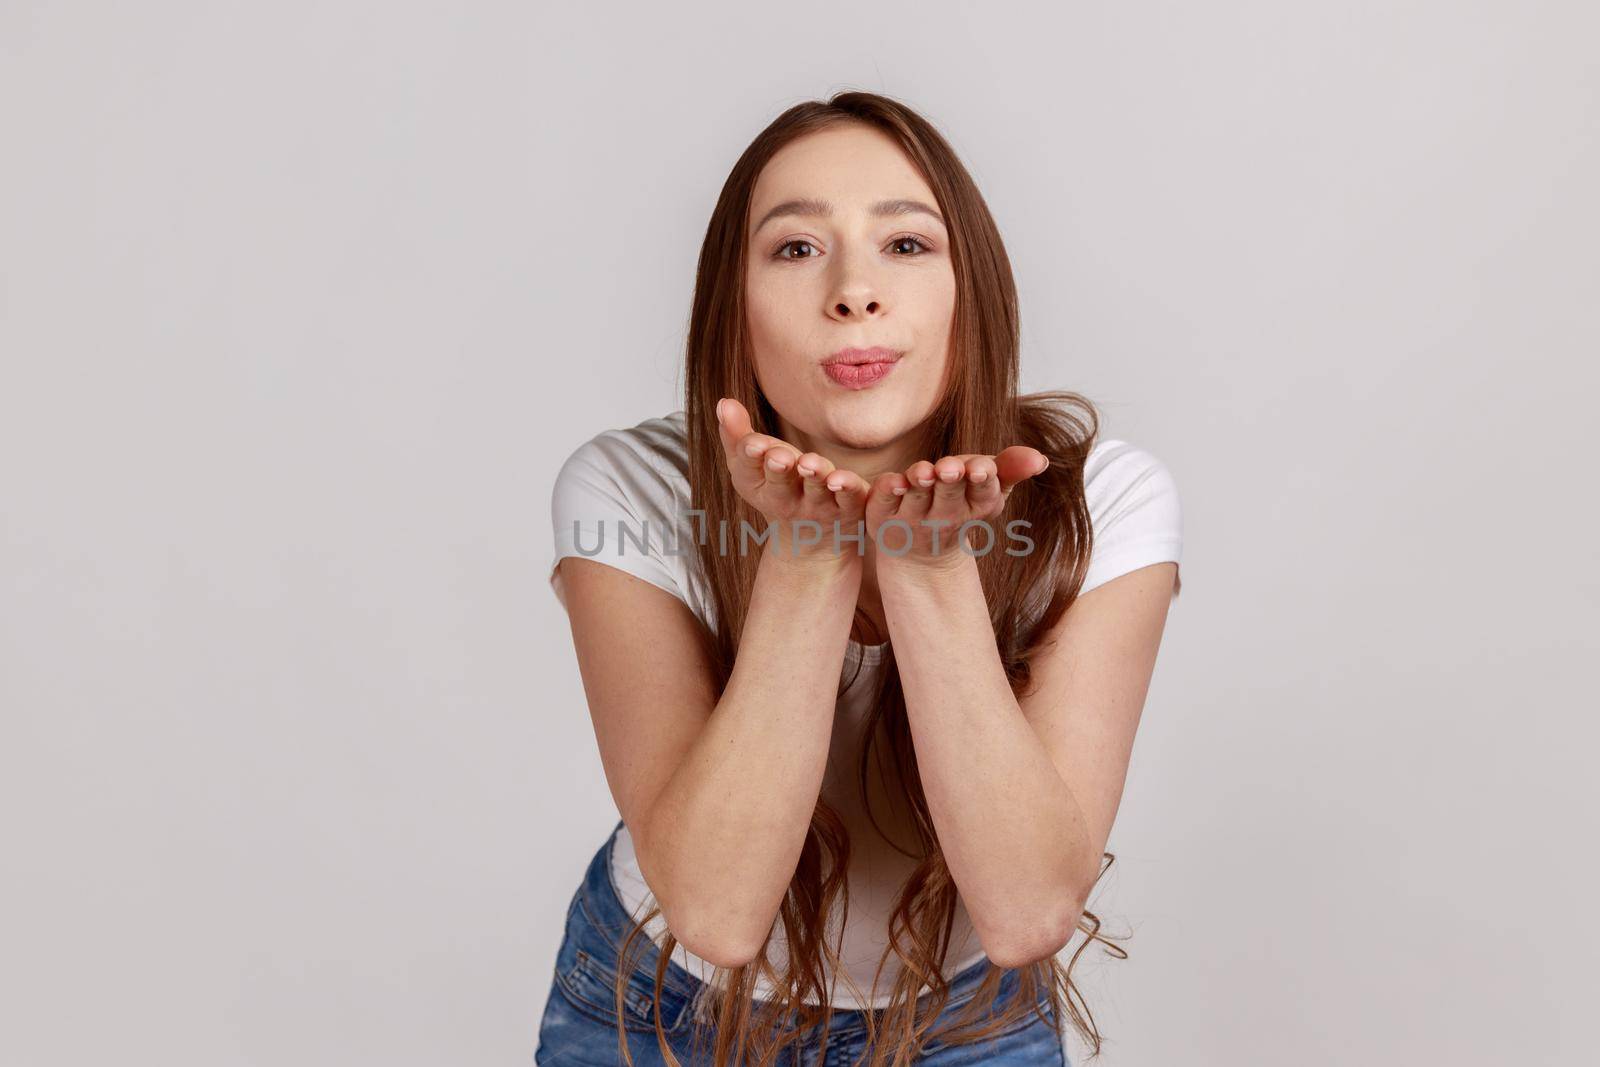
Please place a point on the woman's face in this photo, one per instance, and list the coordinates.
(820, 280)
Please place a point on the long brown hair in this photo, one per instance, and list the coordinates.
(981, 412)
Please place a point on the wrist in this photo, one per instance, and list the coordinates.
(920, 569)
(810, 565)
(813, 543)
(916, 586)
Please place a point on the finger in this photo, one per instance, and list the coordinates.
(884, 496)
(745, 450)
(983, 484)
(841, 480)
(919, 479)
(814, 470)
(850, 492)
(780, 469)
(949, 486)
(733, 425)
(1019, 463)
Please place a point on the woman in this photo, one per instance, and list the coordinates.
(865, 781)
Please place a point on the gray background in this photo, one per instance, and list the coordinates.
(302, 305)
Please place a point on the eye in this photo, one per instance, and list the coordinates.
(914, 240)
(781, 251)
(779, 254)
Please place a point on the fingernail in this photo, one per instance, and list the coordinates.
(719, 410)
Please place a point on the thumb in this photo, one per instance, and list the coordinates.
(733, 423)
(1019, 463)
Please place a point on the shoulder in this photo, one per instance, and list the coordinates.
(643, 464)
(622, 498)
(1134, 510)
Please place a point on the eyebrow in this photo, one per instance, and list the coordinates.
(812, 207)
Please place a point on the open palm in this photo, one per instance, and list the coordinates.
(791, 488)
(933, 501)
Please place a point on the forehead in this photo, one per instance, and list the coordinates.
(851, 166)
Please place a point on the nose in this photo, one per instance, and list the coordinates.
(855, 295)
(846, 309)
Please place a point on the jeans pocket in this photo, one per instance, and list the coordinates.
(591, 984)
(1029, 1018)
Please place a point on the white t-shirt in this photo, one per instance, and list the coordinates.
(622, 498)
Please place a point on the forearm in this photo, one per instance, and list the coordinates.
(1012, 833)
(727, 829)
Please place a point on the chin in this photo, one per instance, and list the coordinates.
(865, 429)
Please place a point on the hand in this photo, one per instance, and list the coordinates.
(956, 489)
(789, 487)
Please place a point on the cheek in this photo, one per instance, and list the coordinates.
(773, 318)
(767, 310)
(936, 298)
(933, 308)
(769, 340)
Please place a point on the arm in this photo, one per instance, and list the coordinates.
(726, 831)
(1023, 794)
(718, 790)
(718, 793)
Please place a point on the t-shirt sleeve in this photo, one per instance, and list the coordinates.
(1135, 512)
(609, 504)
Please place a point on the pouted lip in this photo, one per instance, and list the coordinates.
(856, 356)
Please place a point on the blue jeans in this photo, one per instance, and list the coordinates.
(579, 1026)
